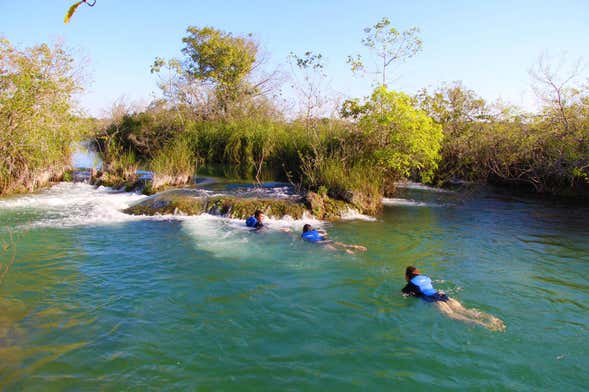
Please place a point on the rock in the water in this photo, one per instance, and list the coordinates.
(190, 202)
(195, 202)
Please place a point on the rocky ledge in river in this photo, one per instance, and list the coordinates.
(192, 202)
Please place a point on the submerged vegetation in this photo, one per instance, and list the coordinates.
(219, 107)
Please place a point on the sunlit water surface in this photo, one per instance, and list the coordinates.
(91, 298)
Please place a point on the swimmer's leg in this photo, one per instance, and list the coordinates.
(359, 247)
(355, 247)
(489, 320)
(457, 311)
(448, 311)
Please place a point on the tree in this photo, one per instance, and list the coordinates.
(389, 44)
(222, 60)
(553, 84)
(309, 78)
(462, 115)
(172, 83)
(37, 120)
(403, 140)
(563, 121)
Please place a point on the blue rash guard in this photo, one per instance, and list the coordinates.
(425, 285)
(312, 236)
(251, 221)
(421, 286)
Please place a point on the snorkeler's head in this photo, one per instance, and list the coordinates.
(307, 228)
(411, 272)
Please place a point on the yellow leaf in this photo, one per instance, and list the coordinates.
(71, 11)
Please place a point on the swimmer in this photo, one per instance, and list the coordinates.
(256, 221)
(320, 237)
(419, 285)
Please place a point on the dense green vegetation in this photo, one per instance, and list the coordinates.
(216, 110)
(37, 122)
(218, 107)
(546, 152)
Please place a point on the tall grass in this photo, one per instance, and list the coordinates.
(175, 164)
(325, 156)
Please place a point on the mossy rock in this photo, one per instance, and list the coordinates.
(324, 207)
(241, 208)
(170, 202)
(189, 202)
(193, 202)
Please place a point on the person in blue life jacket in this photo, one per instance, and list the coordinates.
(419, 285)
(320, 237)
(256, 221)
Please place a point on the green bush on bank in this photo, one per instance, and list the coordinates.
(546, 152)
(386, 140)
(36, 115)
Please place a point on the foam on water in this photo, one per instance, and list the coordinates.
(393, 201)
(269, 190)
(75, 204)
(352, 214)
(226, 237)
(80, 204)
(216, 234)
(421, 187)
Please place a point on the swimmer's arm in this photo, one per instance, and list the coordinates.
(411, 290)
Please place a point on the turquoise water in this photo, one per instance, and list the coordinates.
(92, 299)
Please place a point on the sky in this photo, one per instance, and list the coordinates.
(488, 45)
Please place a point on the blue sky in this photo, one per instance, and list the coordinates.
(489, 45)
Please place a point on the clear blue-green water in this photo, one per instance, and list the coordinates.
(92, 299)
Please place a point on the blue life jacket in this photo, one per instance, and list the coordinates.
(425, 285)
(251, 221)
(312, 236)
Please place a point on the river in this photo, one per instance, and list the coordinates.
(93, 299)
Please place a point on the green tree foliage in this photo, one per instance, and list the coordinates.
(36, 114)
(402, 139)
(547, 152)
(464, 117)
(213, 112)
(221, 59)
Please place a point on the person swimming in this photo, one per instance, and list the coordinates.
(313, 235)
(256, 221)
(320, 237)
(419, 285)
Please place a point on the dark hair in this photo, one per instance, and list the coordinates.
(258, 213)
(410, 272)
(306, 228)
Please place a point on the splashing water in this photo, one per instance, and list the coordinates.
(387, 201)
